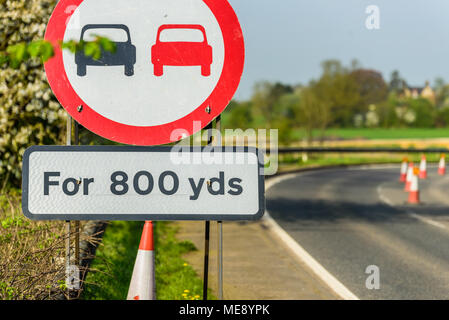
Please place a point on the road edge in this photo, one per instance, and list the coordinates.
(298, 251)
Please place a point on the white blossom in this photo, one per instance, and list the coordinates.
(29, 113)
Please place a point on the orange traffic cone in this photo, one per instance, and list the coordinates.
(442, 165)
(423, 168)
(413, 197)
(404, 168)
(409, 177)
(143, 285)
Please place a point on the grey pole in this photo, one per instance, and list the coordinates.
(77, 223)
(220, 232)
(68, 223)
(207, 233)
(220, 260)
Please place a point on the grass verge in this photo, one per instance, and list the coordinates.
(379, 133)
(292, 161)
(31, 254)
(112, 268)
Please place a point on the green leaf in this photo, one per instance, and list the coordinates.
(92, 49)
(47, 51)
(3, 58)
(71, 45)
(34, 49)
(17, 54)
(107, 44)
(41, 49)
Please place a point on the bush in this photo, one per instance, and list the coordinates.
(29, 113)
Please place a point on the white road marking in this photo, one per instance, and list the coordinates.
(338, 287)
(427, 220)
(412, 214)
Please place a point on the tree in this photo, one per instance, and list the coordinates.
(424, 112)
(397, 84)
(371, 86)
(337, 90)
(314, 113)
(266, 98)
(29, 113)
(239, 115)
(442, 93)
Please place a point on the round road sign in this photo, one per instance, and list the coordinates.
(176, 66)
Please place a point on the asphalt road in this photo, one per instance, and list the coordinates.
(349, 219)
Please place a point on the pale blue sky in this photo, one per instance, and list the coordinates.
(286, 40)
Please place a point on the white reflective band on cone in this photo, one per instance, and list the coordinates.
(143, 286)
(404, 167)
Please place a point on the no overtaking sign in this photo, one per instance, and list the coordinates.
(177, 65)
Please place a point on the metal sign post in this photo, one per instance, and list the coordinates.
(68, 257)
(207, 230)
(77, 223)
(68, 223)
(206, 260)
(220, 229)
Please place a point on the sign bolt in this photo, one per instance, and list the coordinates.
(80, 108)
(208, 109)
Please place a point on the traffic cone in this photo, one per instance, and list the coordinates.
(442, 165)
(143, 284)
(423, 168)
(413, 197)
(409, 177)
(404, 168)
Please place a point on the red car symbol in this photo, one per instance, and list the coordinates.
(181, 53)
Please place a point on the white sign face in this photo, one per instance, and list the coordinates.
(155, 99)
(131, 183)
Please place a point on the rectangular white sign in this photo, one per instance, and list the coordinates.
(140, 183)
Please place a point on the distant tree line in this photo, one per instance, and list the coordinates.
(343, 97)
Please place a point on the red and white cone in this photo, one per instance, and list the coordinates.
(413, 197)
(143, 284)
(442, 165)
(423, 168)
(404, 168)
(408, 181)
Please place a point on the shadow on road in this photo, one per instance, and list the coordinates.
(310, 212)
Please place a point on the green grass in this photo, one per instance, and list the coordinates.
(355, 159)
(372, 134)
(114, 263)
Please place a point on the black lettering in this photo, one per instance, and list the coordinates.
(196, 188)
(221, 183)
(236, 188)
(119, 183)
(48, 183)
(150, 183)
(76, 187)
(175, 183)
(86, 184)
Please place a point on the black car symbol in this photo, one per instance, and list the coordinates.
(124, 55)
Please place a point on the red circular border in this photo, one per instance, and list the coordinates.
(155, 135)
